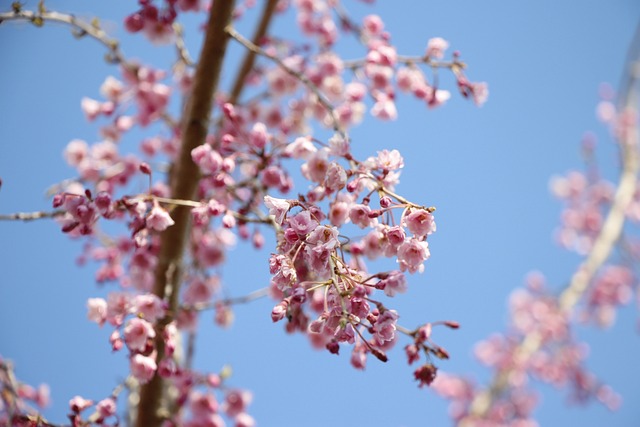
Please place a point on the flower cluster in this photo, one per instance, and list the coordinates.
(202, 196)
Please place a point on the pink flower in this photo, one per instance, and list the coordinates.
(359, 215)
(137, 333)
(259, 136)
(142, 367)
(385, 327)
(202, 405)
(208, 159)
(236, 402)
(91, 108)
(149, 306)
(420, 222)
(159, 219)
(358, 357)
(106, 407)
(384, 108)
(412, 254)
(200, 290)
(336, 177)
(436, 47)
(97, 310)
(76, 152)
(277, 207)
(316, 167)
(372, 24)
(425, 374)
(79, 404)
(302, 223)
(301, 148)
(395, 283)
(244, 420)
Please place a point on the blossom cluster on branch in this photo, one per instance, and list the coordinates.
(238, 150)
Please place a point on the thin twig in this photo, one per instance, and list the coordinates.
(30, 216)
(301, 77)
(80, 28)
(250, 56)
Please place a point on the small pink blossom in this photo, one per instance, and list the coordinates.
(259, 136)
(236, 402)
(336, 177)
(359, 215)
(149, 306)
(76, 152)
(208, 159)
(97, 310)
(384, 108)
(436, 47)
(159, 219)
(277, 207)
(244, 420)
(137, 333)
(301, 148)
(201, 290)
(385, 327)
(420, 222)
(106, 407)
(372, 24)
(79, 404)
(302, 223)
(91, 108)
(143, 367)
(411, 255)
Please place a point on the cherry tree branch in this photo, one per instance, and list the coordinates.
(603, 244)
(301, 77)
(80, 28)
(250, 56)
(184, 178)
(30, 216)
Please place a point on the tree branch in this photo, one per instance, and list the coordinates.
(250, 56)
(301, 77)
(79, 27)
(185, 176)
(604, 243)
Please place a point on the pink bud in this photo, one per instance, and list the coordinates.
(145, 168)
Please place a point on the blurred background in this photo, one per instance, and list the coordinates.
(485, 169)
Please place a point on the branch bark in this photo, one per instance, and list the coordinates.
(250, 55)
(184, 179)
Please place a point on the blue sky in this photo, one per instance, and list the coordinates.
(486, 170)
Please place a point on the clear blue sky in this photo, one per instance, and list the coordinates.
(487, 171)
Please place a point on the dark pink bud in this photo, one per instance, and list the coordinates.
(134, 23)
(58, 200)
(87, 193)
(333, 347)
(451, 324)
(385, 202)
(145, 168)
(425, 374)
(379, 354)
(279, 311)
(70, 227)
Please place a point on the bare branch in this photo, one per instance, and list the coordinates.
(80, 29)
(250, 56)
(30, 216)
